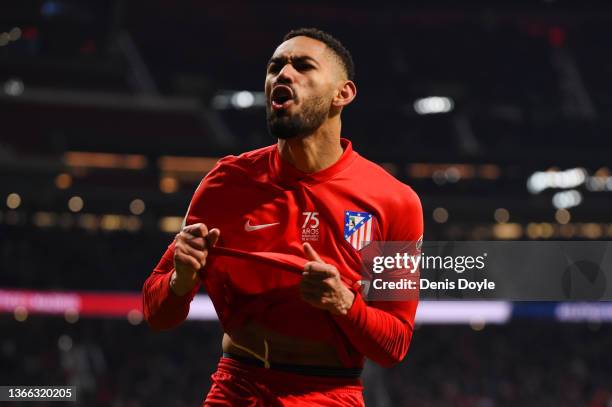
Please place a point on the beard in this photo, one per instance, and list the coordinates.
(312, 115)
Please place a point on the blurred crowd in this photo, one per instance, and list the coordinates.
(76, 259)
(111, 362)
(115, 364)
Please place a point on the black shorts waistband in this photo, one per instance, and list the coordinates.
(306, 370)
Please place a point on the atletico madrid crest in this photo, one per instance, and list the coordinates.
(358, 228)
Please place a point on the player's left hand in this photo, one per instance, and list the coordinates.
(322, 287)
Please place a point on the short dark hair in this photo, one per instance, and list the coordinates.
(332, 43)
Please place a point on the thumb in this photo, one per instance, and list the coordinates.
(311, 254)
(213, 237)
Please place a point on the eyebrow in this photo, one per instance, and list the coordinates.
(299, 58)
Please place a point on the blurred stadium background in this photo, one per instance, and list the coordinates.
(112, 111)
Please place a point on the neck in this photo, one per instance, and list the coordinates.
(313, 152)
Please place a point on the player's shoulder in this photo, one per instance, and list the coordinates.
(233, 173)
(249, 162)
(385, 184)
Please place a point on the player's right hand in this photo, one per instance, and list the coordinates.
(190, 253)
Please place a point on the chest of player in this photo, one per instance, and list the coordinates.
(331, 219)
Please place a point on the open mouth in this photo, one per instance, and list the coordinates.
(281, 97)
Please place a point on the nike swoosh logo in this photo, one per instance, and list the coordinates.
(250, 228)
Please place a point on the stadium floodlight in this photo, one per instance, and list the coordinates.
(567, 199)
(13, 200)
(599, 183)
(14, 87)
(541, 180)
(243, 99)
(238, 99)
(433, 105)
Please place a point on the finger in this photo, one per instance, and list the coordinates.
(183, 258)
(311, 254)
(320, 270)
(197, 229)
(314, 287)
(319, 285)
(213, 237)
(309, 299)
(318, 267)
(189, 234)
(309, 296)
(199, 255)
(307, 286)
(317, 278)
(193, 241)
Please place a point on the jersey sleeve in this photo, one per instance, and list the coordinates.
(163, 309)
(382, 330)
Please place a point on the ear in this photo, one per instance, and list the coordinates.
(345, 94)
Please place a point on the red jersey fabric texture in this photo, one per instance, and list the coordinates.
(235, 384)
(265, 209)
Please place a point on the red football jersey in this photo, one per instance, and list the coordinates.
(265, 209)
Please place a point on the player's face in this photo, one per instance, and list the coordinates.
(300, 84)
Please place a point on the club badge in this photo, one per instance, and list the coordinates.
(358, 228)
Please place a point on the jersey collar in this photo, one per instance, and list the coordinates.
(287, 172)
